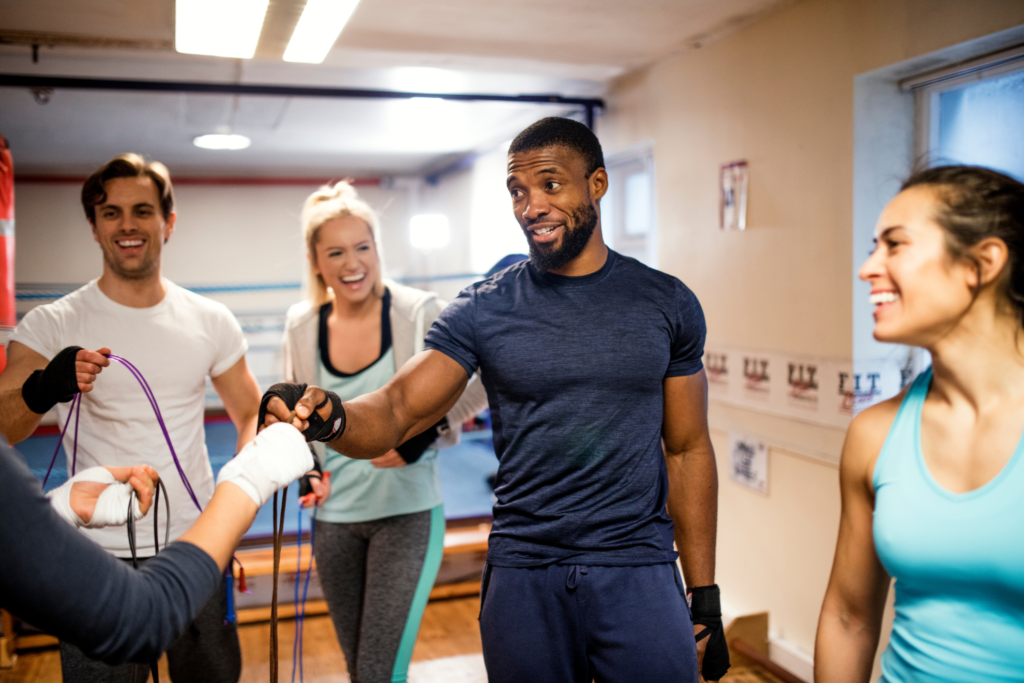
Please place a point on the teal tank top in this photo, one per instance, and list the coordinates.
(361, 492)
(958, 561)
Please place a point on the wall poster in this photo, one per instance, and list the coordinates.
(733, 200)
(748, 462)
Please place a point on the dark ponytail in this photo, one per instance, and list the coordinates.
(976, 203)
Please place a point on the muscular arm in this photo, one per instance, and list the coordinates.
(419, 395)
(240, 395)
(851, 614)
(17, 421)
(692, 476)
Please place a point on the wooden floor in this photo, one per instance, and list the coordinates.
(449, 629)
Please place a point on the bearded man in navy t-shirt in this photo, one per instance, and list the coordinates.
(591, 361)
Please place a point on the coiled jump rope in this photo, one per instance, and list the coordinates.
(279, 528)
(278, 518)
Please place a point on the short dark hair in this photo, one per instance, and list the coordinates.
(558, 131)
(130, 165)
(975, 203)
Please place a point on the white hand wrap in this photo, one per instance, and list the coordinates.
(275, 458)
(111, 505)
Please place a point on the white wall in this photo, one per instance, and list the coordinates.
(225, 235)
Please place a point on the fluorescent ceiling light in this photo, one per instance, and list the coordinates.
(220, 141)
(429, 231)
(318, 28)
(221, 28)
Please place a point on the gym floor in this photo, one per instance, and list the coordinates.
(449, 632)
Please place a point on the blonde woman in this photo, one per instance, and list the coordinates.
(380, 526)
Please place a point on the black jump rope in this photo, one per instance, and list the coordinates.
(278, 524)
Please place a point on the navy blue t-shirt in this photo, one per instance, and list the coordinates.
(574, 370)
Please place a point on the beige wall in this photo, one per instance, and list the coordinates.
(780, 95)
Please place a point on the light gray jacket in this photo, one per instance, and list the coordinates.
(413, 311)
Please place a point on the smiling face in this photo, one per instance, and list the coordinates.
(555, 203)
(920, 292)
(346, 258)
(130, 228)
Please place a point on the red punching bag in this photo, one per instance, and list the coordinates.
(8, 314)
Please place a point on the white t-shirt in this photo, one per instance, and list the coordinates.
(175, 345)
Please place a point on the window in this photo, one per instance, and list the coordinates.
(628, 209)
(973, 113)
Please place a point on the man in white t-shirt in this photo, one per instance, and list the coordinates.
(176, 339)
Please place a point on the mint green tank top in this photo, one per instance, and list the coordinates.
(958, 561)
(361, 492)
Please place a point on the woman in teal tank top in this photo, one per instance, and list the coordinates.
(380, 523)
(932, 480)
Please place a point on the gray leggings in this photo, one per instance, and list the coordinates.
(376, 577)
(208, 652)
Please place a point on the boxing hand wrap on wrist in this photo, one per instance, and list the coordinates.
(287, 392)
(330, 429)
(57, 383)
(706, 610)
(275, 458)
(110, 505)
(319, 429)
(413, 449)
(305, 487)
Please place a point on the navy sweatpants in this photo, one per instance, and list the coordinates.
(577, 624)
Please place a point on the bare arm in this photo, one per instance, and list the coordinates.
(220, 527)
(419, 395)
(851, 614)
(240, 395)
(17, 421)
(692, 476)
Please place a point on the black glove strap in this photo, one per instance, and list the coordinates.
(413, 449)
(330, 429)
(289, 393)
(57, 383)
(305, 487)
(319, 429)
(706, 610)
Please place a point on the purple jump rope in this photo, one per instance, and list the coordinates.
(76, 410)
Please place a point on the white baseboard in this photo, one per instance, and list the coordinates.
(791, 657)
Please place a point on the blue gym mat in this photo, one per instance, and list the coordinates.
(463, 472)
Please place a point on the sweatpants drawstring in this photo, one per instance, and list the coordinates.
(573, 579)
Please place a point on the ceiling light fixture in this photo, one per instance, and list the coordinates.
(222, 141)
(318, 29)
(220, 28)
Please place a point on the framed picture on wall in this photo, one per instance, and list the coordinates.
(733, 198)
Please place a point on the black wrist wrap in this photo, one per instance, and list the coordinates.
(706, 609)
(319, 429)
(330, 429)
(413, 449)
(289, 393)
(57, 383)
(305, 488)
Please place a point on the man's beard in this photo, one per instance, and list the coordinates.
(574, 240)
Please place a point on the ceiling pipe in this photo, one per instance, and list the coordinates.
(590, 105)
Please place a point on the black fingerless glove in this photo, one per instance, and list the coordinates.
(57, 383)
(306, 488)
(706, 609)
(413, 449)
(319, 429)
